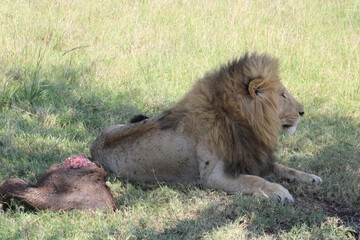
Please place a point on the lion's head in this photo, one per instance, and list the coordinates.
(290, 111)
(261, 99)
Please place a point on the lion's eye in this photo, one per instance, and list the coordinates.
(284, 95)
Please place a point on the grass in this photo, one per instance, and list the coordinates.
(70, 68)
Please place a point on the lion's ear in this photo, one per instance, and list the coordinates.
(256, 85)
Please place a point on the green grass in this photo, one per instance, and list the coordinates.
(70, 68)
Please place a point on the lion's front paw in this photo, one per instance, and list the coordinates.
(311, 178)
(276, 191)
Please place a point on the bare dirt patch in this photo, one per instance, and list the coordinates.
(350, 217)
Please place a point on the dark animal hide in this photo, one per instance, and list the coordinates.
(75, 184)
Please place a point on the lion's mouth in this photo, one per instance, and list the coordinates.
(289, 129)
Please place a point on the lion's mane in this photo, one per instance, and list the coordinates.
(234, 112)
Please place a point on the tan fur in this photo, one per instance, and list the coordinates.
(223, 131)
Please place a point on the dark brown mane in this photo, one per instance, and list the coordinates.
(234, 112)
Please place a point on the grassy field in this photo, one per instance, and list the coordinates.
(70, 68)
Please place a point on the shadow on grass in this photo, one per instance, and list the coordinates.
(49, 114)
(337, 161)
(71, 93)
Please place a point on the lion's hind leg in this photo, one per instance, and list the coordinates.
(295, 175)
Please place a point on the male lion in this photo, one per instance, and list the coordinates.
(223, 131)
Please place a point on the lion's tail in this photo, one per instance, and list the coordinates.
(118, 133)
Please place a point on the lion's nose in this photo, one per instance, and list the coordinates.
(301, 113)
